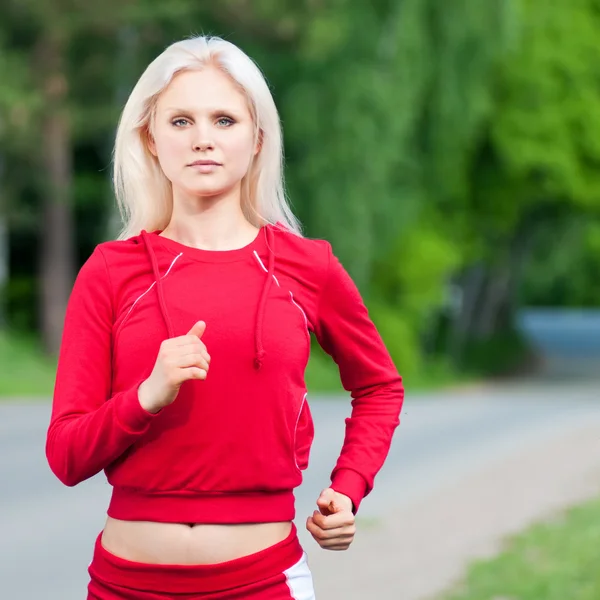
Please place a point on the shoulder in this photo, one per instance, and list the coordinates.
(121, 253)
(110, 261)
(310, 253)
(111, 248)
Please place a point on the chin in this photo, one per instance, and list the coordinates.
(208, 189)
(209, 192)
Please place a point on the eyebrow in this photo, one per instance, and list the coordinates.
(213, 112)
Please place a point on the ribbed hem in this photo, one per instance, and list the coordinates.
(351, 484)
(188, 507)
(195, 579)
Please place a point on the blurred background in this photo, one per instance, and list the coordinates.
(450, 151)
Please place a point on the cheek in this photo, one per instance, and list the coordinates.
(170, 150)
(240, 150)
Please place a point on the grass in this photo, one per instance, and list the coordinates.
(26, 372)
(558, 560)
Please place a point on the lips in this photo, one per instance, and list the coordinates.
(205, 163)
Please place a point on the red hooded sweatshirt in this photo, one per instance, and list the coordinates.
(231, 448)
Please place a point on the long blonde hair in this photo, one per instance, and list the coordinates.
(143, 192)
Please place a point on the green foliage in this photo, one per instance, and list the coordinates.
(422, 138)
(553, 75)
(551, 273)
(400, 337)
(25, 371)
(414, 275)
(503, 354)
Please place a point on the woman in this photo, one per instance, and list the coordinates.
(181, 371)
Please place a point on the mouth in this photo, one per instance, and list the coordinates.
(204, 163)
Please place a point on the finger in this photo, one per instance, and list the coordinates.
(198, 329)
(314, 530)
(326, 501)
(333, 537)
(337, 547)
(187, 345)
(330, 535)
(191, 360)
(193, 373)
(340, 519)
(188, 340)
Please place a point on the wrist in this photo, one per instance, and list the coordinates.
(145, 400)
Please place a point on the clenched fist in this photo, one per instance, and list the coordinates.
(179, 359)
(333, 525)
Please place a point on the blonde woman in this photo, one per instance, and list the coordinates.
(181, 371)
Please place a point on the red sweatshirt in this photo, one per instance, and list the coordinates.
(231, 448)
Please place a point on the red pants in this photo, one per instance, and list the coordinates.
(276, 573)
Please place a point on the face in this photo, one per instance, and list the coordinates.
(203, 134)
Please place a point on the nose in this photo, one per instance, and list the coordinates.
(202, 146)
(202, 140)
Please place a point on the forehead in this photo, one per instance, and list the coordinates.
(208, 88)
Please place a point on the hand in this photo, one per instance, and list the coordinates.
(179, 359)
(332, 525)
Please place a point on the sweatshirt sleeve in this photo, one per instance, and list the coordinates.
(88, 428)
(345, 331)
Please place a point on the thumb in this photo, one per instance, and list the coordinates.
(325, 502)
(198, 329)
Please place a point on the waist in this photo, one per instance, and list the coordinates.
(189, 543)
(184, 506)
(112, 573)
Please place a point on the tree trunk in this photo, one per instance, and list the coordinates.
(471, 285)
(500, 298)
(493, 298)
(4, 258)
(128, 42)
(57, 261)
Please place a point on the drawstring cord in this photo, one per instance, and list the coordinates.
(258, 347)
(259, 351)
(159, 285)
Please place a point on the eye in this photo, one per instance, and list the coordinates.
(225, 121)
(181, 122)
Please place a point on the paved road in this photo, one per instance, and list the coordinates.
(48, 530)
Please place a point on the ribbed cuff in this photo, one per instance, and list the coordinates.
(130, 413)
(351, 484)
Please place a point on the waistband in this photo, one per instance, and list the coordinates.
(182, 579)
(206, 507)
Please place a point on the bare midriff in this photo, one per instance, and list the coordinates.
(189, 543)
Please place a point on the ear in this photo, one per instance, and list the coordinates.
(259, 142)
(150, 142)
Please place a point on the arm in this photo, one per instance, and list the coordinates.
(89, 429)
(345, 331)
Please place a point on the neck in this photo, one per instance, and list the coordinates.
(210, 223)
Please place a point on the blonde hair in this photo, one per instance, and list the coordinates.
(142, 190)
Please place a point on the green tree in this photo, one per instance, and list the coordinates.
(536, 169)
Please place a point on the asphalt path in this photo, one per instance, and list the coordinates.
(48, 530)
